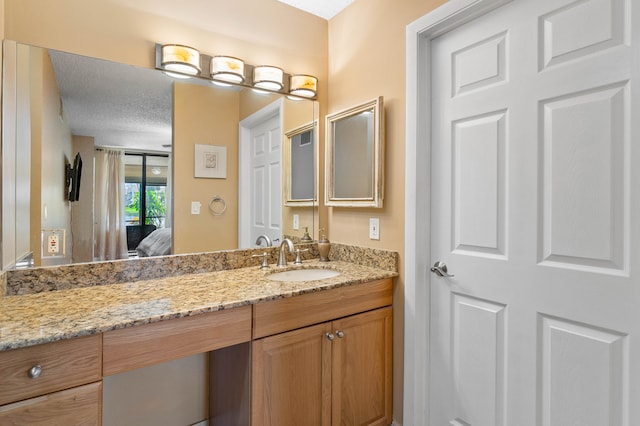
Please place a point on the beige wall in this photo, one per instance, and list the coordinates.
(50, 152)
(82, 210)
(367, 59)
(126, 31)
(204, 116)
(297, 115)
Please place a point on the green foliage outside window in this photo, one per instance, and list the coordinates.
(156, 206)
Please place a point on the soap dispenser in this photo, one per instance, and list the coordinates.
(306, 238)
(324, 245)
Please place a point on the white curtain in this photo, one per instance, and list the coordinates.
(110, 229)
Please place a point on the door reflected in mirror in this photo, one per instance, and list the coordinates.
(355, 156)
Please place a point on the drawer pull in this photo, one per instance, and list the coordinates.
(35, 371)
(340, 333)
(330, 336)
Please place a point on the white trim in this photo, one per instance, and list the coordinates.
(274, 109)
(417, 200)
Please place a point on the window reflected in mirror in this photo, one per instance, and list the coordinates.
(145, 174)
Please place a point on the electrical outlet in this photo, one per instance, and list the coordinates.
(53, 244)
(296, 222)
(374, 228)
(195, 207)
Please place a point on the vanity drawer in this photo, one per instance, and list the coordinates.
(77, 406)
(64, 364)
(282, 315)
(135, 347)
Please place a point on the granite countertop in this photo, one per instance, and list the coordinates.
(33, 319)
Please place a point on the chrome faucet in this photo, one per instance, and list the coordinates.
(266, 240)
(282, 257)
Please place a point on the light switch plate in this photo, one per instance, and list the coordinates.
(296, 222)
(374, 228)
(195, 207)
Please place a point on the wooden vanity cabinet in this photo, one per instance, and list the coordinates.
(332, 373)
(149, 344)
(60, 380)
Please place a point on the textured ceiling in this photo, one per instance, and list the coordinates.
(326, 9)
(119, 105)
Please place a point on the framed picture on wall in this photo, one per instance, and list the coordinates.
(210, 161)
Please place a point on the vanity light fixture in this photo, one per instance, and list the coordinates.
(303, 85)
(227, 69)
(178, 60)
(268, 77)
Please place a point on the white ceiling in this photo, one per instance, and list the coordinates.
(326, 9)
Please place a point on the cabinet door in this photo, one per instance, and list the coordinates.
(292, 378)
(361, 369)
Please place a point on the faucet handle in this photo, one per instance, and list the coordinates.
(265, 262)
(298, 261)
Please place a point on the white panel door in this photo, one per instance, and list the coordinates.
(535, 211)
(266, 179)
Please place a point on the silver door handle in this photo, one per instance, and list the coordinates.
(440, 269)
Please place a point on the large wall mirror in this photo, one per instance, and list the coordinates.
(355, 156)
(137, 129)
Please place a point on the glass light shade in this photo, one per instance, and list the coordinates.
(303, 85)
(268, 77)
(227, 68)
(182, 59)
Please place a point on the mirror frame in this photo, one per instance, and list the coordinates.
(288, 172)
(376, 199)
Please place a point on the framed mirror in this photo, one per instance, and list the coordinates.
(301, 166)
(355, 156)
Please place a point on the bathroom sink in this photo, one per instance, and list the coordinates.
(303, 275)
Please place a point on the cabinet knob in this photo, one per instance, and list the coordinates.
(330, 336)
(340, 333)
(35, 371)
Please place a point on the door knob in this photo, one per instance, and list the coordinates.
(440, 269)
